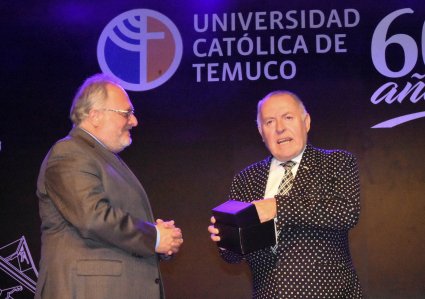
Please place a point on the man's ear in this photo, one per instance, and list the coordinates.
(94, 117)
(307, 122)
(261, 132)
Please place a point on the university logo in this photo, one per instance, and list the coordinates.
(141, 48)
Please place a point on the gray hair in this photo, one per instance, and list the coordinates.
(279, 92)
(91, 92)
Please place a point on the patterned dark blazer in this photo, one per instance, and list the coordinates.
(313, 257)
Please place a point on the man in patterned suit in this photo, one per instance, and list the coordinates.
(98, 236)
(312, 258)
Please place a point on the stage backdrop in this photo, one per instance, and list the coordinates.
(195, 71)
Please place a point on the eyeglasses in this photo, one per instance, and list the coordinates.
(124, 113)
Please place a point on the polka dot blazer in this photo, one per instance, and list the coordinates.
(313, 257)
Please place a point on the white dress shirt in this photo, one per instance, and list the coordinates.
(276, 174)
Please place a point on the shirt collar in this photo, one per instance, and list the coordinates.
(276, 163)
(94, 137)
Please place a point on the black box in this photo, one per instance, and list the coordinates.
(240, 229)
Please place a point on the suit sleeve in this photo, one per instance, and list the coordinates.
(336, 206)
(74, 183)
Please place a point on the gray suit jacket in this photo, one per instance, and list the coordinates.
(97, 234)
(313, 258)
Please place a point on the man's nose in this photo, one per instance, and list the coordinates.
(133, 120)
(280, 126)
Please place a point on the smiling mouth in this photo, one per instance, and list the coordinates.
(284, 140)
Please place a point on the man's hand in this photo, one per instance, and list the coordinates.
(213, 231)
(266, 209)
(171, 237)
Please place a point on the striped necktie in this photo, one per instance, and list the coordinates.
(284, 187)
(288, 178)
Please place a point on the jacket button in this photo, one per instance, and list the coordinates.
(157, 280)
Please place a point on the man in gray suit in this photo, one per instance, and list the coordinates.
(99, 237)
(314, 197)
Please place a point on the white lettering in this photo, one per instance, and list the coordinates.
(198, 67)
(300, 45)
(271, 70)
(196, 48)
(247, 47)
(218, 22)
(351, 12)
(290, 66)
(260, 20)
(245, 23)
(215, 48)
(389, 93)
(196, 23)
(334, 19)
(324, 43)
(319, 15)
(276, 20)
(212, 72)
(227, 72)
(339, 42)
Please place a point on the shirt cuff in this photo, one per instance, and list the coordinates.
(158, 237)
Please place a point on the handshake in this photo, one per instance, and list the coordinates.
(171, 237)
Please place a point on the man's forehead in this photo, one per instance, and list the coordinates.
(117, 95)
(116, 89)
(280, 102)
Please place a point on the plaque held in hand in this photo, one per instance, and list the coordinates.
(240, 229)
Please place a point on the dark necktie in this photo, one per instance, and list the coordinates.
(284, 187)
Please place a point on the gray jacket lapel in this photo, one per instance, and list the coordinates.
(116, 162)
